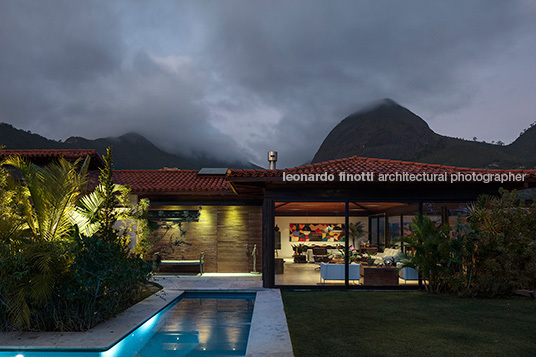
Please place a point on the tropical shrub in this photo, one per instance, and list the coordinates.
(95, 290)
(493, 255)
(500, 246)
(35, 256)
(54, 275)
(112, 282)
(432, 253)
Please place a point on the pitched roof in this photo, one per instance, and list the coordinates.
(171, 181)
(357, 165)
(46, 155)
(189, 181)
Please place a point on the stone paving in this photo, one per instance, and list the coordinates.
(209, 282)
(268, 336)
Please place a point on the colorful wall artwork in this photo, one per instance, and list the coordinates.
(316, 232)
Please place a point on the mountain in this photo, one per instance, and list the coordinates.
(387, 129)
(130, 151)
(525, 145)
(13, 138)
(390, 131)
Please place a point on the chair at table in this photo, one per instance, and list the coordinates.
(320, 255)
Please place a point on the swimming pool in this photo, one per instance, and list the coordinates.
(196, 324)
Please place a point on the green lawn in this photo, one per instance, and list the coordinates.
(363, 323)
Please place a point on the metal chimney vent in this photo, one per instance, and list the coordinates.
(272, 158)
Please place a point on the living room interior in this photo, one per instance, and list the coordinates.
(310, 241)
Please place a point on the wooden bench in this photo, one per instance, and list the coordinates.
(176, 264)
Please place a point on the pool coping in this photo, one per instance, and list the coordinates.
(268, 333)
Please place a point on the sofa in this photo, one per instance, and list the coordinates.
(406, 273)
(388, 252)
(336, 271)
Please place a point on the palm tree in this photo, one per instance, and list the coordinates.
(11, 221)
(98, 211)
(89, 209)
(51, 193)
(432, 247)
(48, 199)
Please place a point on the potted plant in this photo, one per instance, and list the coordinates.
(353, 256)
(370, 259)
(299, 257)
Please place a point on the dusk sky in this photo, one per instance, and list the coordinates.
(239, 78)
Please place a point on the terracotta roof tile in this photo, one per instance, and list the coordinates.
(255, 173)
(69, 154)
(356, 165)
(170, 181)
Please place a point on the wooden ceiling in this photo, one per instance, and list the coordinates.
(334, 208)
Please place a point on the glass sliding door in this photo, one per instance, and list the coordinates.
(309, 234)
(394, 230)
(381, 233)
(377, 231)
(311, 240)
(374, 231)
(450, 213)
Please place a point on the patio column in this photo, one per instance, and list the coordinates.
(268, 224)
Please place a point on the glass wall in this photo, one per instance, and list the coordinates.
(394, 230)
(310, 241)
(307, 234)
(387, 229)
(450, 213)
(378, 231)
(374, 231)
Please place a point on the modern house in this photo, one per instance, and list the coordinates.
(238, 217)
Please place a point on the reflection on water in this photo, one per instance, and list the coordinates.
(198, 324)
(203, 325)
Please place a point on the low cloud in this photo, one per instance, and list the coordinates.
(236, 78)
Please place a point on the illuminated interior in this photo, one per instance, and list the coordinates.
(383, 224)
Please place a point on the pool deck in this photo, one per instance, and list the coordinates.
(268, 335)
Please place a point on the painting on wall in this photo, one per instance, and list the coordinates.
(316, 232)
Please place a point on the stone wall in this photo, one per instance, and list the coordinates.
(226, 234)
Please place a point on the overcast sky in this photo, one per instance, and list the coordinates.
(239, 78)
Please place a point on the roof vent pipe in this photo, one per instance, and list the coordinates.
(272, 158)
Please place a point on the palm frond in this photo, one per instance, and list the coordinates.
(51, 193)
(19, 311)
(88, 208)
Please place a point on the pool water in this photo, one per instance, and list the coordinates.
(198, 324)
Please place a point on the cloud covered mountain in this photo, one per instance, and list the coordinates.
(130, 151)
(389, 131)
